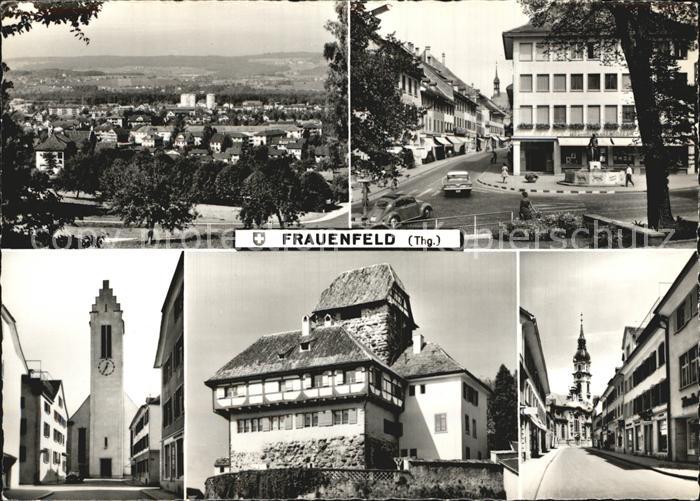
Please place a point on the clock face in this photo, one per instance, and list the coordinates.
(106, 366)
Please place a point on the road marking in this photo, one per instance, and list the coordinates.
(424, 192)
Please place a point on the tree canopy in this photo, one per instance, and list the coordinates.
(503, 411)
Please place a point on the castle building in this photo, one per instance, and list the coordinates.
(353, 388)
(572, 415)
(99, 429)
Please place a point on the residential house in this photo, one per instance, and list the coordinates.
(152, 141)
(219, 142)
(145, 431)
(184, 140)
(57, 146)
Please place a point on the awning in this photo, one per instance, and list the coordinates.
(439, 141)
(446, 141)
(456, 140)
(531, 414)
(575, 141)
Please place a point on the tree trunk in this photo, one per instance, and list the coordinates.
(279, 218)
(634, 28)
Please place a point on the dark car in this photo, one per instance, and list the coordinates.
(457, 182)
(74, 478)
(396, 208)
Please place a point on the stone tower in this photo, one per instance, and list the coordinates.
(496, 84)
(108, 453)
(582, 369)
(373, 306)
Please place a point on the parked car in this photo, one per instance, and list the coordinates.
(395, 208)
(457, 182)
(74, 478)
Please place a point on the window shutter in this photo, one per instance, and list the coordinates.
(352, 416)
(300, 421)
(288, 423)
(325, 418)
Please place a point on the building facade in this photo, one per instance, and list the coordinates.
(561, 99)
(170, 357)
(145, 431)
(534, 388)
(99, 429)
(353, 388)
(43, 430)
(14, 368)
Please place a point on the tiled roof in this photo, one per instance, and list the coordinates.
(52, 143)
(281, 353)
(360, 286)
(217, 138)
(48, 387)
(431, 360)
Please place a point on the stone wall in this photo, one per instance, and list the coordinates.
(424, 479)
(379, 330)
(336, 452)
(380, 453)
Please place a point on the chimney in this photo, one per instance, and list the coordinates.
(417, 342)
(443, 59)
(426, 53)
(305, 326)
(327, 320)
(410, 47)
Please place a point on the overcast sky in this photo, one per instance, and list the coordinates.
(225, 28)
(469, 33)
(464, 302)
(611, 289)
(50, 295)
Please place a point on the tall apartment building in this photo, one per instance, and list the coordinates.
(561, 99)
(170, 357)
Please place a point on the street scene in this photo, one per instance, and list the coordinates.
(608, 388)
(545, 147)
(128, 132)
(380, 376)
(82, 384)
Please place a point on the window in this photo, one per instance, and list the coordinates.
(541, 52)
(593, 82)
(525, 51)
(559, 83)
(287, 385)
(592, 52)
(576, 114)
(403, 453)
(577, 53)
(662, 435)
(22, 454)
(594, 115)
(543, 115)
(467, 453)
(317, 381)
(60, 402)
(611, 81)
(679, 51)
(106, 442)
(21, 402)
(628, 114)
(23, 426)
(47, 430)
(688, 365)
(178, 355)
(473, 427)
(422, 388)
(542, 83)
(350, 377)
(577, 82)
(610, 114)
(626, 82)
(466, 424)
(411, 390)
(47, 408)
(106, 344)
(441, 423)
(413, 453)
(304, 346)
(525, 83)
(560, 114)
(526, 114)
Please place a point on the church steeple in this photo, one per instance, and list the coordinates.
(496, 84)
(582, 368)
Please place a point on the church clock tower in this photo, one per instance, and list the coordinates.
(582, 369)
(107, 419)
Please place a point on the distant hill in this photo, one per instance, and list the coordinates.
(287, 64)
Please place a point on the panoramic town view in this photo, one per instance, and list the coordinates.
(96, 409)
(134, 134)
(608, 389)
(526, 130)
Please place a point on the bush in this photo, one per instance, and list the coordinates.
(543, 227)
(315, 192)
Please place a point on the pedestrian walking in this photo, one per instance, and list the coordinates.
(527, 210)
(628, 176)
(494, 157)
(504, 173)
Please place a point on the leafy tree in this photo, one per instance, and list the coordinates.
(340, 187)
(641, 34)
(81, 173)
(51, 162)
(145, 192)
(207, 133)
(204, 182)
(503, 411)
(379, 117)
(229, 183)
(336, 85)
(314, 191)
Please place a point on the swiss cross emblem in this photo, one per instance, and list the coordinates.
(258, 238)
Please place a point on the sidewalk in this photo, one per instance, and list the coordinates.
(158, 494)
(406, 174)
(687, 471)
(532, 472)
(550, 183)
(23, 493)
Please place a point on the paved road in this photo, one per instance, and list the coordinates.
(427, 187)
(577, 473)
(101, 494)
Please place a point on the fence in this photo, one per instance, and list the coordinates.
(468, 223)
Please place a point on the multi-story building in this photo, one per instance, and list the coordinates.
(534, 388)
(334, 393)
(561, 99)
(65, 110)
(43, 430)
(14, 368)
(211, 101)
(145, 432)
(679, 313)
(612, 421)
(170, 358)
(187, 100)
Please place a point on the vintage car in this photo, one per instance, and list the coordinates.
(457, 182)
(395, 208)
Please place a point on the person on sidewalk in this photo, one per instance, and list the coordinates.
(504, 173)
(494, 156)
(628, 175)
(527, 210)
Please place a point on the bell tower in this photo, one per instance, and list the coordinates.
(582, 369)
(107, 420)
(496, 84)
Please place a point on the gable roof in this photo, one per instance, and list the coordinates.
(281, 353)
(217, 138)
(52, 143)
(359, 286)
